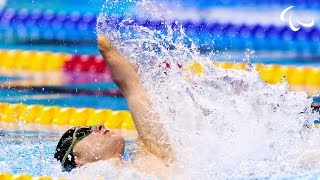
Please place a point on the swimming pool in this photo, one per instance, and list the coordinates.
(27, 151)
(251, 110)
(31, 152)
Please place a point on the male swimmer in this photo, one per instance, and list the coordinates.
(83, 145)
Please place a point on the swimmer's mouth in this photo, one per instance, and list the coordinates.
(106, 131)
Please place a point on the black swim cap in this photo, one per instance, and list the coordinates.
(62, 148)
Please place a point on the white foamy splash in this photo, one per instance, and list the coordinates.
(224, 124)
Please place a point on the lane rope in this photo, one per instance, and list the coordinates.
(47, 61)
(23, 25)
(76, 20)
(55, 115)
(7, 176)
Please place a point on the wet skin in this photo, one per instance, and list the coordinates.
(153, 157)
(101, 144)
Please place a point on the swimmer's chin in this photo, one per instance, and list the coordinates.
(103, 43)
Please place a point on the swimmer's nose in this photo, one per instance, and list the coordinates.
(99, 127)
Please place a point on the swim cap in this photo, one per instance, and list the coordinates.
(62, 148)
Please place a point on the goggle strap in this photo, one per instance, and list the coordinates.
(79, 138)
(70, 148)
(74, 140)
(68, 151)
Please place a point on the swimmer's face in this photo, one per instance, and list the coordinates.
(101, 144)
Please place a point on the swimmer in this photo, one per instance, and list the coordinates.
(84, 145)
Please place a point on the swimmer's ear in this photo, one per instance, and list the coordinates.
(103, 43)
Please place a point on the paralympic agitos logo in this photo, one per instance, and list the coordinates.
(291, 19)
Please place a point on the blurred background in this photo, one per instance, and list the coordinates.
(49, 54)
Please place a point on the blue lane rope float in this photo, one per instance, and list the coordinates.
(48, 25)
(253, 3)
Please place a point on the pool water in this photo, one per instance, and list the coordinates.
(27, 151)
(76, 93)
(31, 152)
(259, 124)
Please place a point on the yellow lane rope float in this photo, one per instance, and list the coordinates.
(44, 61)
(5, 176)
(272, 73)
(54, 115)
(32, 60)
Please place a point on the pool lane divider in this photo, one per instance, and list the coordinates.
(22, 25)
(274, 73)
(62, 90)
(49, 61)
(61, 116)
(260, 3)
(7, 176)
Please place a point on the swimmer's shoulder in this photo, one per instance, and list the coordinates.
(153, 165)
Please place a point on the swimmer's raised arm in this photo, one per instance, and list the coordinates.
(122, 71)
(124, 74)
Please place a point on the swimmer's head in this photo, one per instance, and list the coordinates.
(87, 145)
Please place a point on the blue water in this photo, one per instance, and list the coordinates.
(9, 78)
(51, 98)
(31, 152)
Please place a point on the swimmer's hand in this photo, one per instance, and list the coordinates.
(104, 43)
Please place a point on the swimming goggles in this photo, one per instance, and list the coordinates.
(79, 133)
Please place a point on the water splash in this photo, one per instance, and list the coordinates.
(29, 152)
(224, 123)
